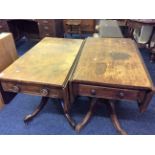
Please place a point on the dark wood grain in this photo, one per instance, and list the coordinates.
(107, 92)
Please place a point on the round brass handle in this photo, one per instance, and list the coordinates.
(93, 92)
(15, 89)
(44, 92)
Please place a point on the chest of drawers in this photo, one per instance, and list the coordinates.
(86, 25)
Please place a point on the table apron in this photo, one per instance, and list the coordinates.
(108, 92)
(32, 89)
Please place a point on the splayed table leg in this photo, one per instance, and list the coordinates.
(67, 115)
(114, 118)
(80, 125)
(29, 117)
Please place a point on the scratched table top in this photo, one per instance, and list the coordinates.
(112, 62)
(48, 62)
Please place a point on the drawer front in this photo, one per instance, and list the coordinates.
(33, 89)
(88, 28)
(108, 93)
(88, 25)
(45, 28)
(46, 31)
(45, 21)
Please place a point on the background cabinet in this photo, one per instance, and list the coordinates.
(32, 28)
(86, 26)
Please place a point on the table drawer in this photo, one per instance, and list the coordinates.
(45, 21)
(46, 28)
(46, 31)
(108, 93)
(33, 89)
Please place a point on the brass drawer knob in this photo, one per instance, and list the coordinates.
(15, 89)
(44, 92)
(93, 92)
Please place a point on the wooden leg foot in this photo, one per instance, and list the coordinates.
(67, 115)
(80, 125)
(29, 117)
(114, 118)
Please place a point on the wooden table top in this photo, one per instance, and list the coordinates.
(112, 62)
(48, 62)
